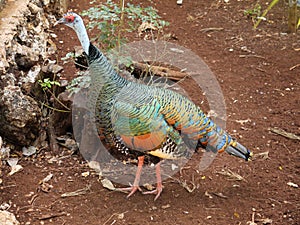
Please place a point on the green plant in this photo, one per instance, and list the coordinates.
(47, 84)
(262, 17)
(254, 12)
(110, 19)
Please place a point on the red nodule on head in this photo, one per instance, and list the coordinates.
(69, 17)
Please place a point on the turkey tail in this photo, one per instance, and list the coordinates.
(238, 150)
(220, 141)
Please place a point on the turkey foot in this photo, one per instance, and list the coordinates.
(159, 186)
(132, 190)
(136, 182)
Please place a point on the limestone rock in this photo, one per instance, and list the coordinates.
(19, 116)
(25, 57)
(7, 218)
(34, 9)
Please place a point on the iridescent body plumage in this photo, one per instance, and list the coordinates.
(137, 120)
(143, 117)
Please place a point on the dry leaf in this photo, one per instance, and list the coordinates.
(47, 178)
(149, 187)
(146, 26)
(15, 169)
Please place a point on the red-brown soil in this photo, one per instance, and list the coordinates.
(262, 88)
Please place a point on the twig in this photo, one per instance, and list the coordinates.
(114, 214)
(185, 185)
(254, 56)
(55, 109)
(252, 222)
(53, 95)
(209, 29)
(263, 155)
(231, 175)
(293, 67)
(284, 133)
(8, 186)
(221, 195)
(50, 216)
(160, 71)
(77, 192)
(34, 197)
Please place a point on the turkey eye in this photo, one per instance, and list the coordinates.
(69, 20)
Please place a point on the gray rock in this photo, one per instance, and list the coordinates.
(52, 67)
(19, 116)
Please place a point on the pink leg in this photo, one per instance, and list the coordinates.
(136, 182)
(159, 187)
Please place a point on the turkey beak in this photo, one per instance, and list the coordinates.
(62, 20)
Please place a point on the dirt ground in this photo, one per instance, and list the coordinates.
(259, 75)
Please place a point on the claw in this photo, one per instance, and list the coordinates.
(131, 190)
(135, 185)
(156, 191)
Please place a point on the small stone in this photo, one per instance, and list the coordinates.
(29, 151)
(165, 206)
(179, 2)
(121, 216)
(291, 184)
(53, 35)
(85, 174)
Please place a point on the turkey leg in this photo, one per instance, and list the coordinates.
(136, 182)
(159, 187)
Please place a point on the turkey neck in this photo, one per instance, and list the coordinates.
(82, 36)
(101, 71)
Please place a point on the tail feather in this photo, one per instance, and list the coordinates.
(238, 150)
(217, 140)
